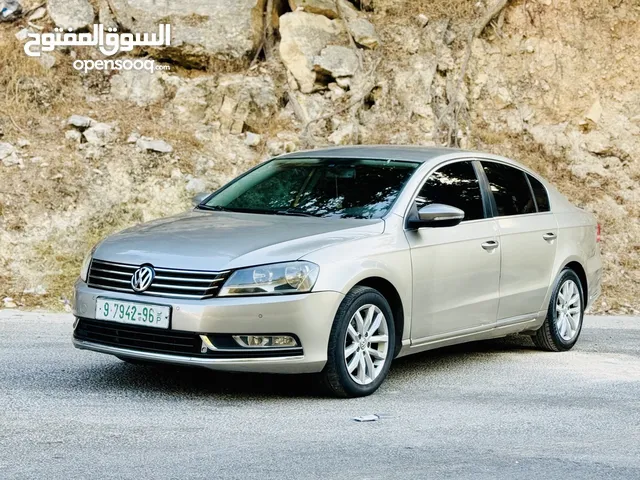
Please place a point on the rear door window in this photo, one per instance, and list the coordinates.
(540, 193)
(510, 189)
(457, 185)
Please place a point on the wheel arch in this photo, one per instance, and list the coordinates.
(391, 294)
(574, 263)
(582, 275)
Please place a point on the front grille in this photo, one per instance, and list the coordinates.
(168, 282)
(138, 338)
(174, 342)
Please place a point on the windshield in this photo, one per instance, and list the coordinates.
(342, 188)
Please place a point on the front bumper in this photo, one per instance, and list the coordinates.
(307, 316)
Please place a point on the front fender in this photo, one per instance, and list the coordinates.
(385, 256)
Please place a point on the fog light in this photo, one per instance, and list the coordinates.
(265, 341)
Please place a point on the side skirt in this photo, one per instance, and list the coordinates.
(500, 329)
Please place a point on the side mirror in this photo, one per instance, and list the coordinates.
(437, 215)
(197, 200)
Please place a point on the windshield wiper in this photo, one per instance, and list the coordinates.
(266, 211)
(215, 208)
(295, 213)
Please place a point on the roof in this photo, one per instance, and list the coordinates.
(384, 152)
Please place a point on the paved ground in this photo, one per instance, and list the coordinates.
(485, 410)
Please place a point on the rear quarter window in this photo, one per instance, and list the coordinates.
(540, 194)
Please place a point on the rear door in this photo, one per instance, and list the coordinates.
(528, 232)
(456, 270)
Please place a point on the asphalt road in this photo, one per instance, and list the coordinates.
(496, 409)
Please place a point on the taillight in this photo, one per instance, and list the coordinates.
(598, 233)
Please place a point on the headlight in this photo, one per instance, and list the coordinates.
(86, 263)
(278, 278)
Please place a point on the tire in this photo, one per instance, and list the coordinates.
(558, 332)
(361, 381)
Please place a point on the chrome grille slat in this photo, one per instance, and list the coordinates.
(111, 271)
(193, 272)
(184, 279)
(122, 266)
(128, 290)
(178, 287)
(119, 280)
(191, 284)
(176, 295)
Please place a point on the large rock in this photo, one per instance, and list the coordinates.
(153, 145)
(303, 36)
(412, 86)
(80, 121)
(73, 14)
(100, 134)
(138, 86)
(240, 100)
(363, 31)
(200, 28)
(328, 8)
(8, 155)
(190, 103)
(343, 135)
(104, 15)
(336, 61)
(235, 101)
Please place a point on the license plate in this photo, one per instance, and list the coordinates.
(133, 313)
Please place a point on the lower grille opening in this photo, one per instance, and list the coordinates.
(173, 342)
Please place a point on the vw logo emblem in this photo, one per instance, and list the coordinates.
(142, 278)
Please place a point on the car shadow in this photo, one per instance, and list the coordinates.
(194, 383)
(448, 357)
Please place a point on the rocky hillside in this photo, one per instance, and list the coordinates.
(552, 83)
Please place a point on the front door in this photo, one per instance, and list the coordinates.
(456, 270)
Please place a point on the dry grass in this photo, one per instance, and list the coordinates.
(62, 264)
(27, 88)
(455, 10)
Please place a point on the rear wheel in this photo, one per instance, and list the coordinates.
(561, 328)
(361, 344)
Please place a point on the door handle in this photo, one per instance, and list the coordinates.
(490, 245)
(549, 236)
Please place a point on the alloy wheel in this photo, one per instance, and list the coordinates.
(568, 310)
(366, 344)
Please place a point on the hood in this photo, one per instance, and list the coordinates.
(203, 240)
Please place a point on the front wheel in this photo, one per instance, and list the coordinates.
(361, 344)
(561, 328)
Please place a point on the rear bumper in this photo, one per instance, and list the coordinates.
(307, 316)
(594, 278)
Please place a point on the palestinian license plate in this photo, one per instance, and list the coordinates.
(134, 313)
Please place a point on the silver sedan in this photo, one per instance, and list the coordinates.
(337, 261)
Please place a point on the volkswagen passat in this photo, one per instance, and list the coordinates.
(339, 260)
